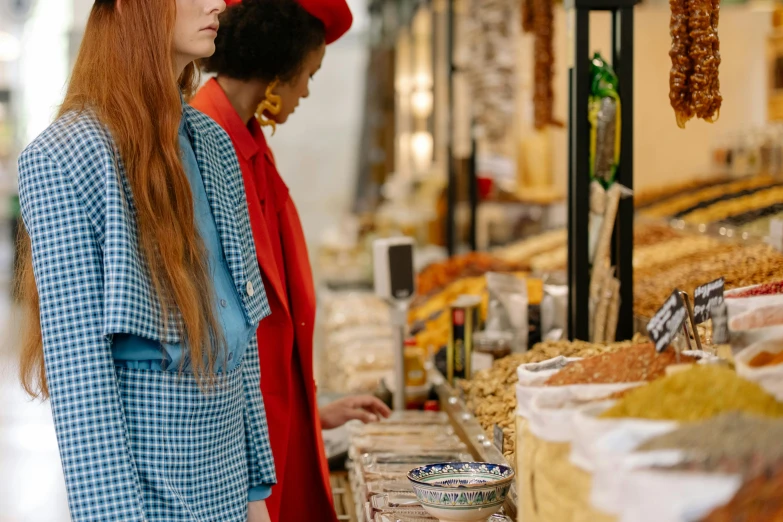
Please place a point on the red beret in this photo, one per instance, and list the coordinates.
(334, 14)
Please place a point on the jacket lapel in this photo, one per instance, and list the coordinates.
(264, 248)
(223, 193)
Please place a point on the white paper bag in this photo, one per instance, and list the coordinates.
(665, 496)
(532, 377)
(552, 410)
(768, 377)
(614, 457)
(585, 451)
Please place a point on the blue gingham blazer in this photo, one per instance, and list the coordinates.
(92, 283)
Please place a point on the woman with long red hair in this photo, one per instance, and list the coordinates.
(142, 284)
(267, 52)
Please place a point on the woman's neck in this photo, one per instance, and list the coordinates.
(243, 95)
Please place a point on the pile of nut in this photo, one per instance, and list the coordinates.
(686, 200)
(740, 266)
(491, 394)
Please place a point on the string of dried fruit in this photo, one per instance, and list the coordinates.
(543, 52)
(717, 99)
(527, 16)
(679, 93)
(702, 56)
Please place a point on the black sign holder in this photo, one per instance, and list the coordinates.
(579, 166)
(454, 179)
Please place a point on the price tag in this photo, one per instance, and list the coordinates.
(497, 433)
(706, 298)
(665, 324)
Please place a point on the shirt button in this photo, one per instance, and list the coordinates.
(250, 290)
(223, 303)
(230, 355)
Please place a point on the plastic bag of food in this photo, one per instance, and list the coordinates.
(554, 312)
(510, 292)
(604, 115)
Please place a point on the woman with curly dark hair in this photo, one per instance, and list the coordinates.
(266, 53)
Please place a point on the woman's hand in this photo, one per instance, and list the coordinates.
(365, 408)
(257, 512)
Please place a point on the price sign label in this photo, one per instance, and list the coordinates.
(497, 433)
(665, 324)
(706, 298)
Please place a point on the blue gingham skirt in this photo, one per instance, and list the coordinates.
(188, 446)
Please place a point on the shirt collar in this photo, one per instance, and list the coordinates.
(183, 121)
(237, 130)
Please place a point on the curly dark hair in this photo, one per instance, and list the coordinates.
(264, 40)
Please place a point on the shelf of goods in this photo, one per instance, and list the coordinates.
(358, 336)
(743, 207)
(664, 258)
(382, 454)
(621, 432)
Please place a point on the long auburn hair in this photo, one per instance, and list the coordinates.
(124, 73)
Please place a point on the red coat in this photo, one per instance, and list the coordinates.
(285, 338)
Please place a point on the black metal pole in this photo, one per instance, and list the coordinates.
(622, 251)
(472, 195)
(451, 180)
(571, 267)
(579, 182)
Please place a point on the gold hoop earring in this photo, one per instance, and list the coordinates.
(272, 104)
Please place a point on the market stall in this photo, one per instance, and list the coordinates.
(598, 356)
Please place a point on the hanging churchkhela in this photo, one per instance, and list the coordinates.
(527, 16)
(694, 85)
(544, 59)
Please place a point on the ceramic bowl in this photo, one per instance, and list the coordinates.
(461, 491)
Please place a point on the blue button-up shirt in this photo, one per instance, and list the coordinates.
(136, 352)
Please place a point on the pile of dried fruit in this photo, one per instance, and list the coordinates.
(656, 195)
(491, 394)
(653, 233)
(739, 266)
(688, 200)
(436, 276)
(765, 289)
(742, 204)
(694, 86)
(633, 364)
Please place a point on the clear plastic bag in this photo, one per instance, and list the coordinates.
(509, 292)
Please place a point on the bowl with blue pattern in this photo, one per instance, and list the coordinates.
(462, 491)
